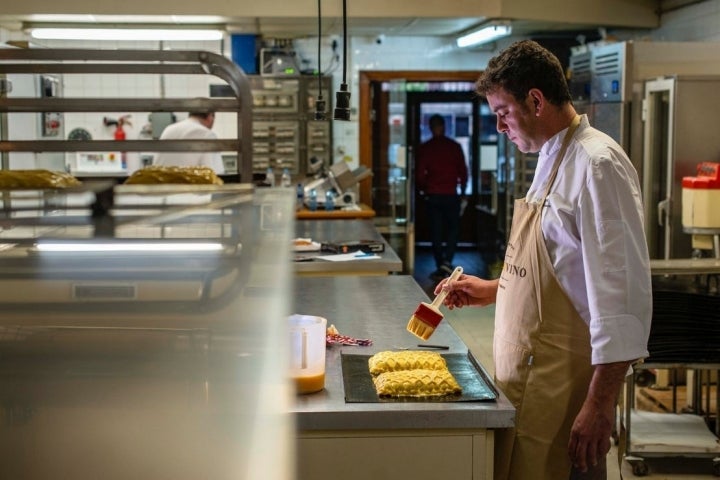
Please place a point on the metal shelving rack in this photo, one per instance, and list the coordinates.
(679, 426)
(124, 62)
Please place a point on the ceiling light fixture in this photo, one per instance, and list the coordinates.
(127, 33)
(485, 34)
(164, 247)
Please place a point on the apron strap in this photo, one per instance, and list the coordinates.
(558, 160)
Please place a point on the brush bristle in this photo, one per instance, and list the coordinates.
(419, 328)
(423, 322)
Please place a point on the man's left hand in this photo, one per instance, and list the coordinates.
(590, 436)
(590, 433)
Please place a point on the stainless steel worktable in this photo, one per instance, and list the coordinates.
(329, 429)
(338, 231)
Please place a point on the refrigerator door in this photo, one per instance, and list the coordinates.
(657, 162)
(680, 117)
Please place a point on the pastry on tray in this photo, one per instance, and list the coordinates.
(416, 383)
(389, 361)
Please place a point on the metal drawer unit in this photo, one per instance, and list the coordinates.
(276, 145)
(286, 133)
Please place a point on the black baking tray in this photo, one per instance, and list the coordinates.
(359, 387)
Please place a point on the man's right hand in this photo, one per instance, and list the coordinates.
(468, 290)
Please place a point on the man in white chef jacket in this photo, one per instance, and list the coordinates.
(574, 299)
(198, 125)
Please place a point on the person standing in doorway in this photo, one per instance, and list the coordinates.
(198, 125)
(441, 177)
(574, 299)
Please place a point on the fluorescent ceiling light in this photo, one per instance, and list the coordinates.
(129, 247)
(53, 20)
(131, 34)
(485, 34)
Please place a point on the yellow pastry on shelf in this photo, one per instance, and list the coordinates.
(156, 175)
(36, 179)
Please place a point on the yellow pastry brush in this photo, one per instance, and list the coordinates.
(427, 316)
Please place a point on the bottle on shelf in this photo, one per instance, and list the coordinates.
(270, 177)
(329, 200)
(300, 196)
(312, 204)
(285, 179)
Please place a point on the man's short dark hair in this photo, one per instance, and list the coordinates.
(436, 120)
(204, 114)
(522, 66)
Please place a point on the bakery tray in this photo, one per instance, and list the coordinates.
(359, 387)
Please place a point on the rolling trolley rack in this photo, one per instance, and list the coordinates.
(684, 335)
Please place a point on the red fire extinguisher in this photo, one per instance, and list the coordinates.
(119, 133)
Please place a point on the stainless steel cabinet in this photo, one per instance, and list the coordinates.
(141, 333)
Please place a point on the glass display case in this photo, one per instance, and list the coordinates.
(142, 332)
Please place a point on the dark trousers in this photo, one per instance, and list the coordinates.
(444, 215)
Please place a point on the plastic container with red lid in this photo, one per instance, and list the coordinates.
(708, 176)
(701, 196)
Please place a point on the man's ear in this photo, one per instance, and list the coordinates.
(537, 101)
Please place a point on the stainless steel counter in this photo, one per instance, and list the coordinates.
(378, 308)
(338, 231)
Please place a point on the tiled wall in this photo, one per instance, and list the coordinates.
(699, 22)
(130, 86)
(393, 53)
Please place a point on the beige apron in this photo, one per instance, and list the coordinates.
(541, 351)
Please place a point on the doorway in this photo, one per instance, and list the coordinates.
(393, 111)
(461, 123)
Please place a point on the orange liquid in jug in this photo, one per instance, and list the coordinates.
(310, 384)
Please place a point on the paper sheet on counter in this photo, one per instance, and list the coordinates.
(346, 257)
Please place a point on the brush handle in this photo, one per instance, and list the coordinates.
(440, 298)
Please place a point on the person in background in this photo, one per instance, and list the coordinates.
(440, 171)
(198, 125)
(574, 299)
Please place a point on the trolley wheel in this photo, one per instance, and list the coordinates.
(716, 467)
(644, 378)
(639, 468)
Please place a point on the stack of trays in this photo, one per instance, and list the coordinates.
(685, 327)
